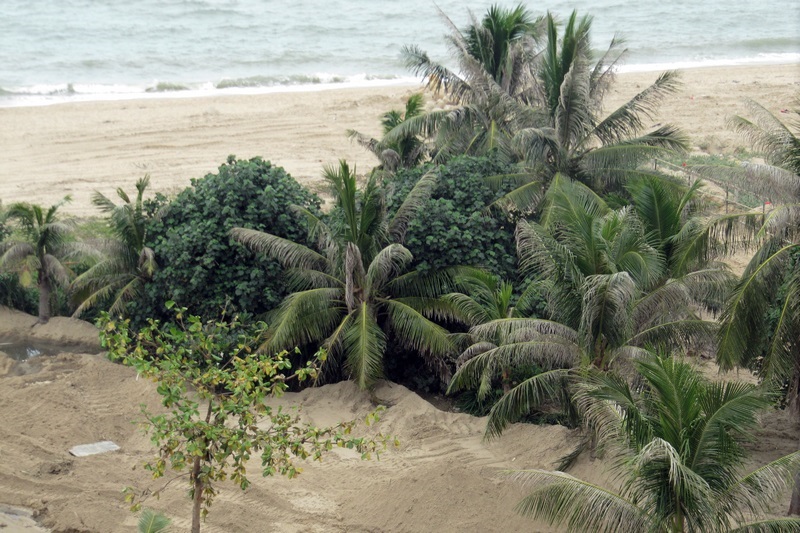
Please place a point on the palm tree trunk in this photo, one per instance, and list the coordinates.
(44, 297)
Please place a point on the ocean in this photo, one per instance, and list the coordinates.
(70, 50)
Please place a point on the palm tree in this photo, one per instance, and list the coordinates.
(127, 263)
(486, 298)
(608, 301)
(574, 138)
(679, 440)
(495, 56)
(772, 278)
(499, 47)
(41, 253)
(353, 293)
(406, 152)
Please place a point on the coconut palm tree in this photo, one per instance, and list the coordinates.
(41, 253)
(127, 263)
(499, 46)
(680, 457)
(405, 152)
(575, 138)
(608, 299)
(771, 280)
(354, 291)
(485, 298)
(494, 56)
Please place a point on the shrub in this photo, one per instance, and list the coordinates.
(200, 266)
(453, 228)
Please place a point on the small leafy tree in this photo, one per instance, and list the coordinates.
(209, 434)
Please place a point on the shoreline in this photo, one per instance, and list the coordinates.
(78, 147)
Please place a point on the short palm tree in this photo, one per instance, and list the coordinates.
(607, 298)
(485, 298)
(42, 253)
(404, 152)
(354, 292)
(680, 457)
(127, 263)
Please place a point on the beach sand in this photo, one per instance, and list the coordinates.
(77, 148)
(443, 478)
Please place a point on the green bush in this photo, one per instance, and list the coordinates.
(453, 228)
(200, 266)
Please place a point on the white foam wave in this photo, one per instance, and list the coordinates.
(760, 59)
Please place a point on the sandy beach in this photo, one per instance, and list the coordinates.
(76, 148)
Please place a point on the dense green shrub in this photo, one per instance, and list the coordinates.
(453, 228)
(200, 266)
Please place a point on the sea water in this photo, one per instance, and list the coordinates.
(66, 50)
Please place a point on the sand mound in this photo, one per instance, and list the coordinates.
(68, 332)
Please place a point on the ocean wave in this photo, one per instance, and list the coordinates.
(41, 95)
(760, 59)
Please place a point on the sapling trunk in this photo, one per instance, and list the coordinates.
(198, 495)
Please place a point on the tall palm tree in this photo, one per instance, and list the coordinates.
(607, 297)
(41, 253)
(679, 440)
(354, 291)
(746, 318)
(405, 152)
(127, 263)
(494, 57)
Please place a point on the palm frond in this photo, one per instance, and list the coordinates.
(526, 397)
(305, 317)
(560, 499)
(626, 121)
(152, 522)
(289, 253)
(742, 319)
(413, 202)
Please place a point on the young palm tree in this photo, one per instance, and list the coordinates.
(41, 253)
(127, 263)
(355, 292)
(607, 297)
(681, 457)
(746, 318)
(406, 152)
(485, 298)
